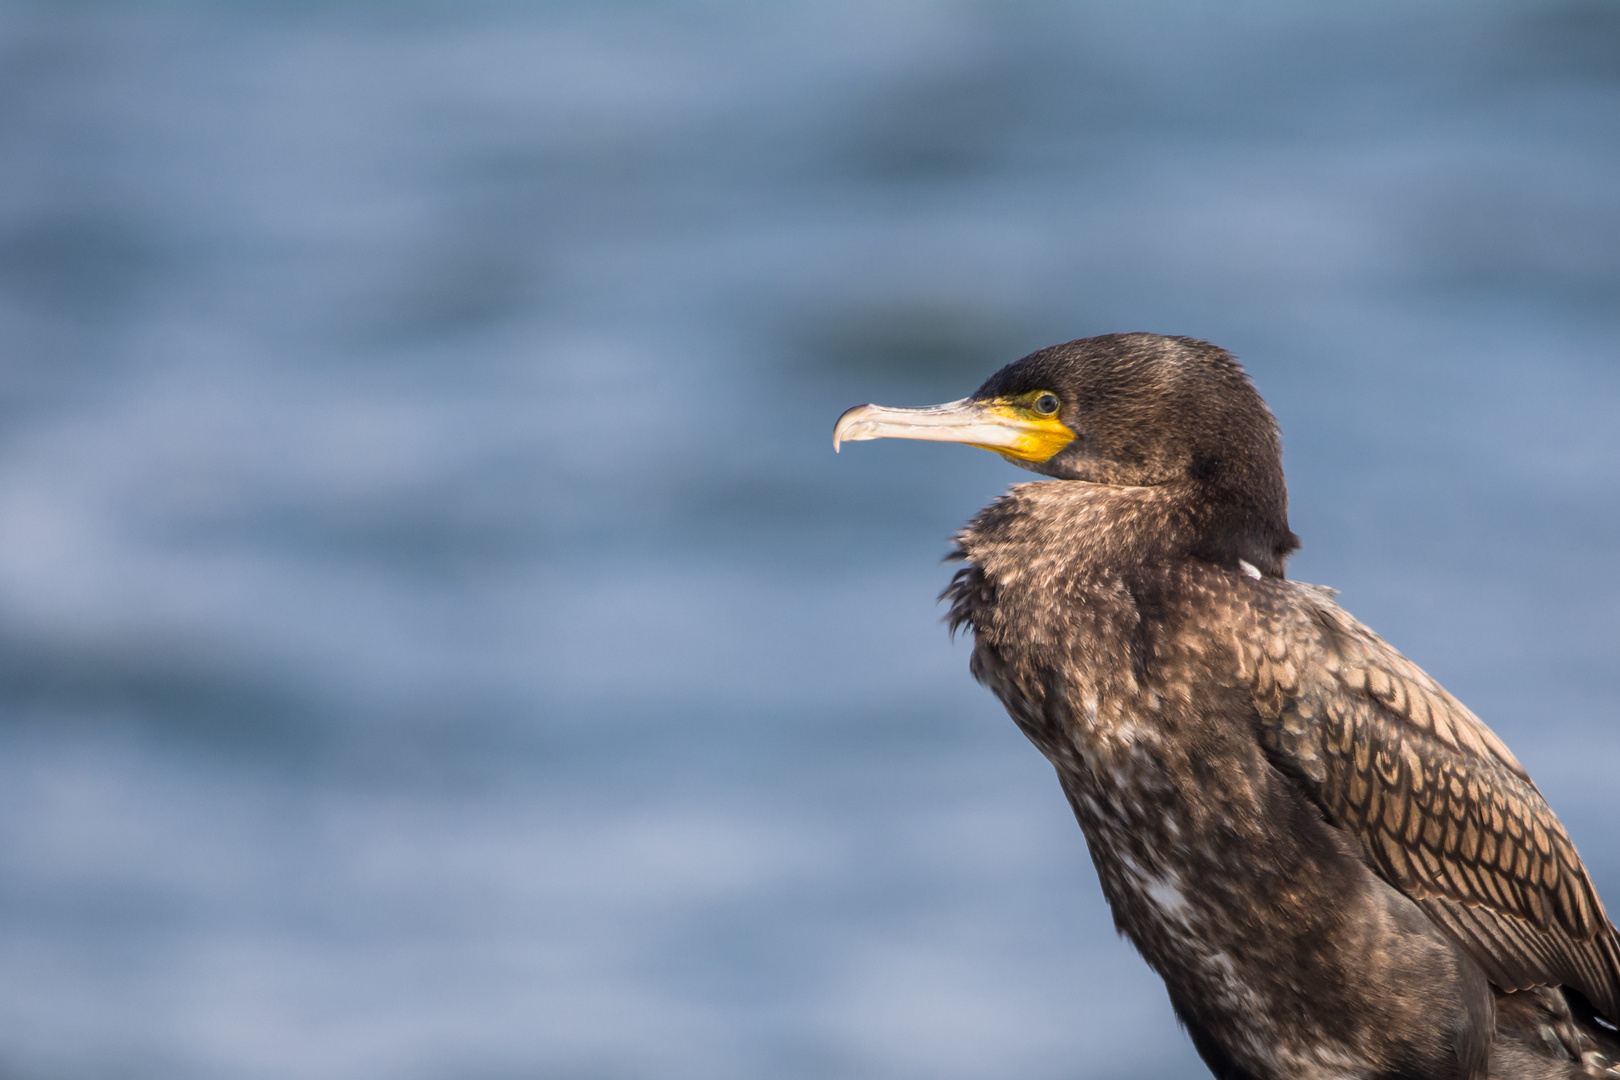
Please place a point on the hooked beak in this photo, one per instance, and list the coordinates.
(1009, 428)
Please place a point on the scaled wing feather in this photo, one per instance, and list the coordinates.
(1442, 808)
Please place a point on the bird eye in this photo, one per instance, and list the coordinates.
(1047, 404)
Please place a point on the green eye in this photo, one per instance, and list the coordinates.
(1047, 404)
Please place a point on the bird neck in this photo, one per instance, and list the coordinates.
(1047, 527)
(1247, 522)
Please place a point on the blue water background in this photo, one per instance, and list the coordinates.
(438, 638)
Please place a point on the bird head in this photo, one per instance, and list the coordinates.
(1127, 410)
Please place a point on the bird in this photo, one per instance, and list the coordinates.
(1337, 869)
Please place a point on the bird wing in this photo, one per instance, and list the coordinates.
(1442, 808)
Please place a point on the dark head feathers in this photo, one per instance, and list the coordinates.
(1175, 412)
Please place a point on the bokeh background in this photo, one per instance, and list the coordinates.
(436, 637)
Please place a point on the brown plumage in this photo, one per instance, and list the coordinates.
(1443, 809)
(1327, 857)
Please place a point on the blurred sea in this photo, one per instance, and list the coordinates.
(438, 639)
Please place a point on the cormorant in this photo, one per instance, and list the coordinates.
(1337, 869)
